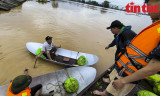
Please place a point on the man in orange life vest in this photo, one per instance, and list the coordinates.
(141, 58)
(20, 86)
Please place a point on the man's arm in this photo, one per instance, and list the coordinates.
(56, 47)
(152, 68)
(113, 43)
(49, 56)
(40, 53)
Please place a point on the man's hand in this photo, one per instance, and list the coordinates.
(118, 84)
(107, 47)
(25, 71)
(59, 46)
(37, 57)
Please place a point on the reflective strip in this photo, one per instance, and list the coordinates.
(137, 57)
(136, 63)
(126, 67)
(158, 30)
(129, 69)
(142, 55)
(137, 50)
(24, 94)
(121, 72)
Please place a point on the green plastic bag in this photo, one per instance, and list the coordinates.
(156, 88)
(145, 93)
(153, 79)
(82, 60)
(71, 85)
(38, 52)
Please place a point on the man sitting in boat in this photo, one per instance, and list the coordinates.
(20, 86)
(140, 60)
(48, 49)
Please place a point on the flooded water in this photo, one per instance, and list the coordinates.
(75, 26)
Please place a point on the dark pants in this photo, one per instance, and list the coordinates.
(35, 89)
(51, 52)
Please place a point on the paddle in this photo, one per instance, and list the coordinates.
(35, 63)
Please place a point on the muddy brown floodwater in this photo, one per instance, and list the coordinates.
(75, 26)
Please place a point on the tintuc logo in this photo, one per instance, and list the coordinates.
(131, 8)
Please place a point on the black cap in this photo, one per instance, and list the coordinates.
(48, 38)
(116, 23)
(20, 83)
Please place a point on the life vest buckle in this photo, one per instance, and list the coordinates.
(139, 67)
(147, 59)
(121, 72)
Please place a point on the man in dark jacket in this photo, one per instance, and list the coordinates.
(123, 35)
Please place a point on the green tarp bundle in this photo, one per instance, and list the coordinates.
(156, 88)
(38, 52)
(71, 85)
(82, 60)
(145, 93)
(153, 79)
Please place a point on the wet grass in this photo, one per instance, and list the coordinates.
(99, 85)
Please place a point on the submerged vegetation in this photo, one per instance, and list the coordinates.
(98, 85)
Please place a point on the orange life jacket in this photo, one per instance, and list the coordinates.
(136, 55)
(25, 92)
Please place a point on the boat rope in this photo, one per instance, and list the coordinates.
(58, 88)
(77, 56)
(60, 85)
(71, 81)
